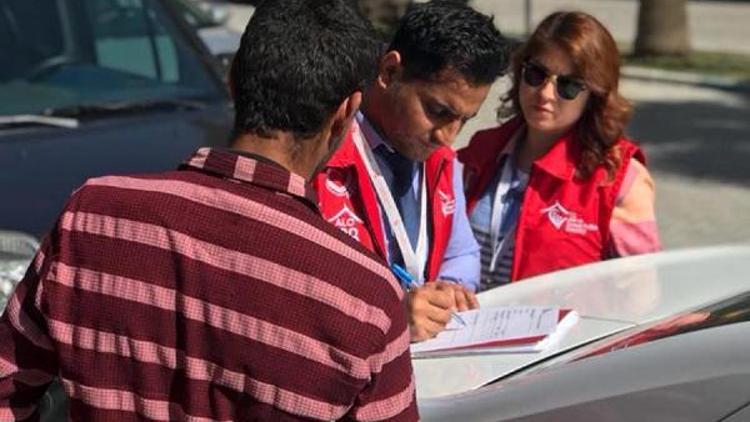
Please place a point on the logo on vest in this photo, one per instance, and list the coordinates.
(340, 189)
(347, 221)
(566, 220)
(447, 203)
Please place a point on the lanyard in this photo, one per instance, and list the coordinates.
(502, 229)
(414, 259)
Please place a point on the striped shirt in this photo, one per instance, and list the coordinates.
(480, 224)
(214, 292)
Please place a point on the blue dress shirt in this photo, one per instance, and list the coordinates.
(461, 261)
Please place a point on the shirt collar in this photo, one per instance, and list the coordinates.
(248, 168)
(511, 145)
(373, 138)
(558, 161)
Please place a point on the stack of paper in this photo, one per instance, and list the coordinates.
(509, 329)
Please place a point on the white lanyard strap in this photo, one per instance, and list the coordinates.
(500, 240)
(415, 260)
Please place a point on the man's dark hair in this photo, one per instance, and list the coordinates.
(297, 61)
(448, 34)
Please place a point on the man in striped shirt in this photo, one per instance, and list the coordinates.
(216, 291)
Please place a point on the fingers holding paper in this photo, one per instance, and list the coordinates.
(463, 299)
(429, 310)
(430, 307)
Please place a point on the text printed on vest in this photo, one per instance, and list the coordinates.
(568, 221)
(340, 189)
(447, 203)
(347, 221)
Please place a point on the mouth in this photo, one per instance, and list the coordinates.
(542, 109)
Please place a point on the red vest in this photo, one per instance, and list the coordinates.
(564, 220)
(348, 200)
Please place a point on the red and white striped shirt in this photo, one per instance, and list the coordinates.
(214, 292)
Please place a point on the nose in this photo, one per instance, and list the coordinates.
(446, 134)
(547, 90)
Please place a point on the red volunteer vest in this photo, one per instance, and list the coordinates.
(564, 220)
(348, 200)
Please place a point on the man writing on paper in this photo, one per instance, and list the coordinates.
(217, 291)
(393, 185)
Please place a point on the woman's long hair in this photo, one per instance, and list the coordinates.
(597, 61)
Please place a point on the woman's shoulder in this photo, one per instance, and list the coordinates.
(631, 148)
(633, 224)
(637, 178)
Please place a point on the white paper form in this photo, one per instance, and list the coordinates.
(495, 325)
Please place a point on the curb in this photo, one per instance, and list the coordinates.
(686, 78)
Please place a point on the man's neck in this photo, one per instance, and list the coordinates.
(371, 134)
(282, 148)
(370, 109)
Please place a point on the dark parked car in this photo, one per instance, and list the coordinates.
(98, 87)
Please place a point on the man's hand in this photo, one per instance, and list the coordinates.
(463, 299)
(430, 307)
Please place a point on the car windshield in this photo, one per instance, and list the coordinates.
(58, 54)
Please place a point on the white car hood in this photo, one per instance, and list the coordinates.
(609, 296)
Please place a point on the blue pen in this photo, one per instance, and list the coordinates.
(409, 283)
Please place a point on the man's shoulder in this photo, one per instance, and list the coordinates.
(135, 196)
(349, 248)
(111, 185)
(353, 268)
(133, 184)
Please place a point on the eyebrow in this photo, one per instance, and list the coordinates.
(453, 111)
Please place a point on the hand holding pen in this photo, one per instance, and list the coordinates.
(408, 282)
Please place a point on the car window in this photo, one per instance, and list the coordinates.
(28, 35)
(122, 31)
(64, 53)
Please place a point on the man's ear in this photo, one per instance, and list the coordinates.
(389, 69)
(343, 116)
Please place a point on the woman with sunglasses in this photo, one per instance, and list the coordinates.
(558, 185)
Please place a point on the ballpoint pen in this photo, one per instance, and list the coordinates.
(409, 283)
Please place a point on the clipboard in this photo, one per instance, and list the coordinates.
(507, 329)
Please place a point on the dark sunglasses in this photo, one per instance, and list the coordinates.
(535, 75)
